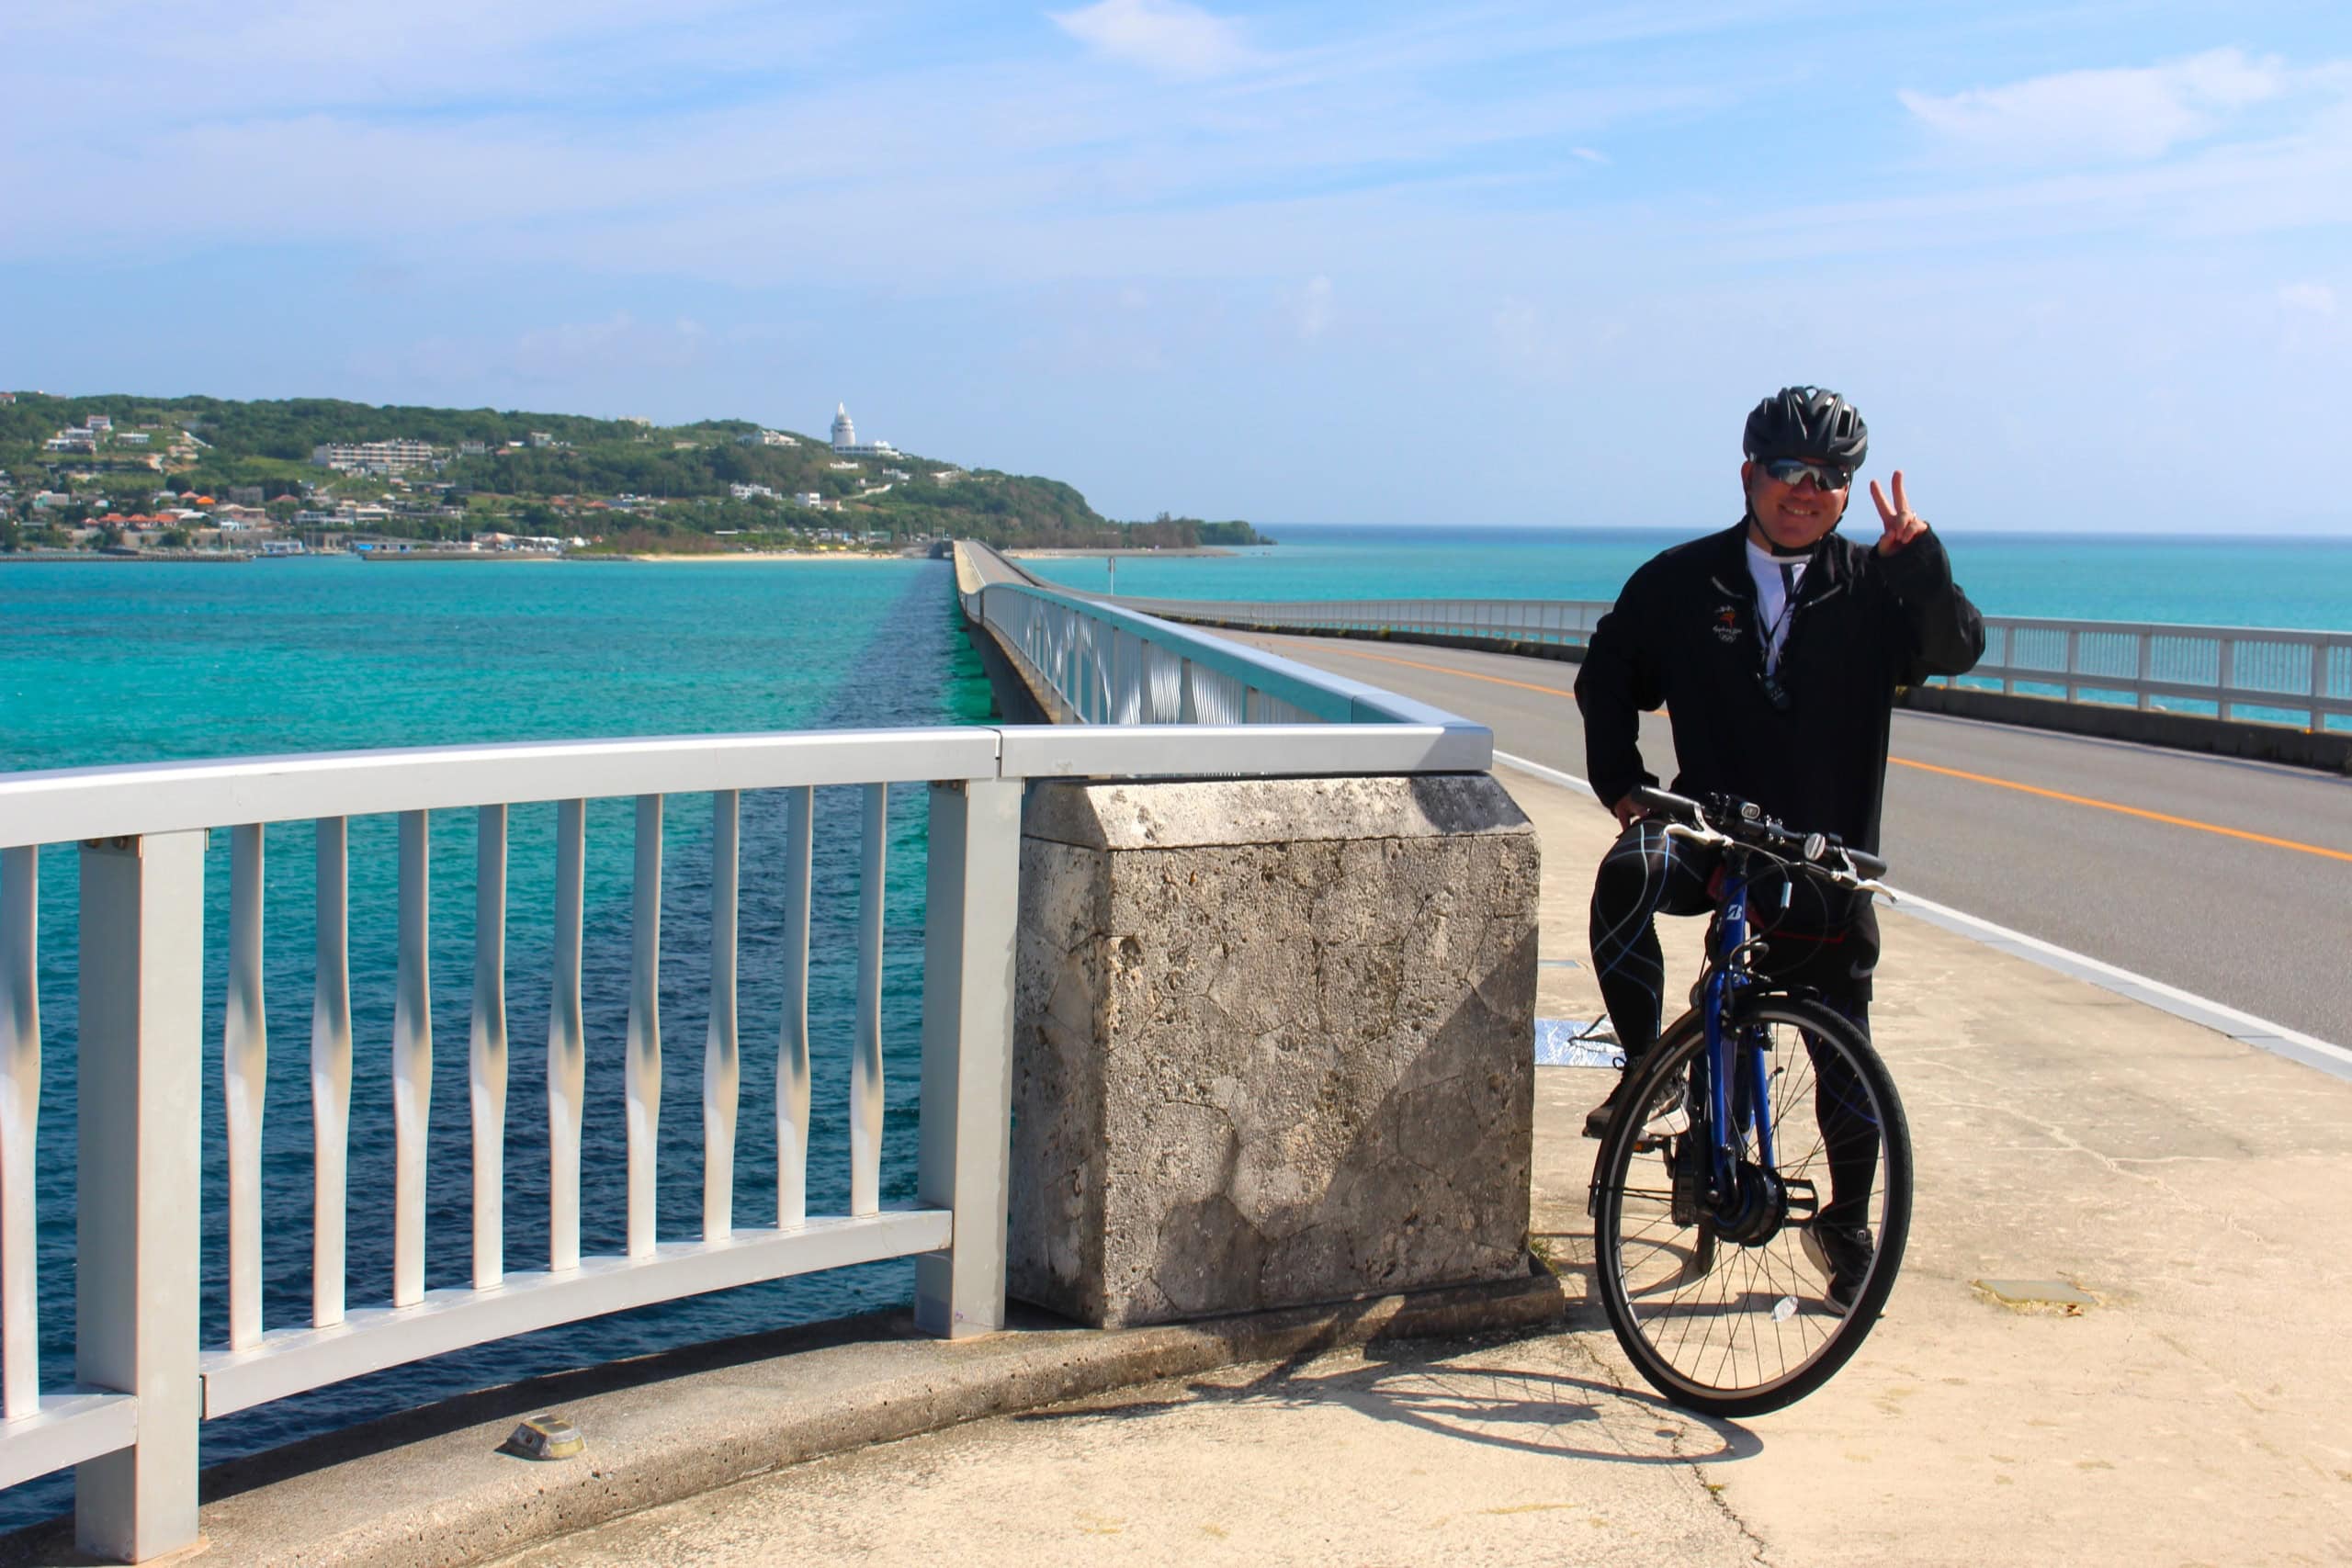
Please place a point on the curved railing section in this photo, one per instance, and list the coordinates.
(1107, 663)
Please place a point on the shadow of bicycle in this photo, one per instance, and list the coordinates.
(1518, 1407)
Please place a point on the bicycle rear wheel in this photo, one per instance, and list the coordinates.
(1731, 1326)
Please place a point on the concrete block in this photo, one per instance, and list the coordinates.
(1272, 1043)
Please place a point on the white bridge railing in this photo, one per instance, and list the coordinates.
(1109, 664)
(2232, 672)
(143, 1384)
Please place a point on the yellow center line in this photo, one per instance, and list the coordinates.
(2095, 805)
(2125, 810)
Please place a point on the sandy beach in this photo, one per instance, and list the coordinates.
(753, 557)
(1056, 554)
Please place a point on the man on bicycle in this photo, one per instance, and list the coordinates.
(1776, 645)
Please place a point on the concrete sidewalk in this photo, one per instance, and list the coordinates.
(2193, 1188)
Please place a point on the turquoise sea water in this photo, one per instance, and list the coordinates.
(2305, 583)
(104, 663)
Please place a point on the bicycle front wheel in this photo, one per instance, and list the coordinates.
(1737, 1301)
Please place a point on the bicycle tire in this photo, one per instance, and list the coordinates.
(1768, 1331)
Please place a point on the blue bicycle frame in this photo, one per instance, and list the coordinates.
(1723, 975)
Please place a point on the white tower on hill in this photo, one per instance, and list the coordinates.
(847, 445)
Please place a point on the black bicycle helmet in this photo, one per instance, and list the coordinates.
(1806, 422)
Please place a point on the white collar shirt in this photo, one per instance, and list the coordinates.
(1777, 579)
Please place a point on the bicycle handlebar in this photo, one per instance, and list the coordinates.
(1724, 822)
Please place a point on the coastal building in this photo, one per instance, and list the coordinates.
(637, 419)
(133, 438)
(473, 448)
(99, 422)
(373, 456)
(767, 438)
(751, 492)
(541, 438)
(847, 445)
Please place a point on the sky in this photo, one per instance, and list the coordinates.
(2082, 267)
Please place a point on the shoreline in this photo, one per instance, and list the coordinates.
(753, 557)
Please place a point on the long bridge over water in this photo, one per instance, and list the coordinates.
(2065, 1124)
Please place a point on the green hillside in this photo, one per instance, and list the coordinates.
(548, 472)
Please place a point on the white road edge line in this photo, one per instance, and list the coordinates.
(2239, 1025)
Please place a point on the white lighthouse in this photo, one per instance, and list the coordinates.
(847, 445)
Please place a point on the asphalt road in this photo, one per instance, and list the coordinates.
(2226, 878)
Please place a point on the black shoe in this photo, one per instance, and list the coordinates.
(1843, 1254)
(1666, 1110)
(1597, 1119)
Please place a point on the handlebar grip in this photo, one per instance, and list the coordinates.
(1664, 801)
(1865, 863)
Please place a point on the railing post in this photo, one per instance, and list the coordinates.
(2228, 647)
(971, 908)
(19, 1125)
(244, 1075)
(412, 1057)
(2147, 668)
(141, 1083)
(486, 1047)
(331, 1073)
(642, 1068)
(2318, 683)
(866, 1085)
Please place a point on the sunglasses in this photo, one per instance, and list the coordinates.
(1789, 470)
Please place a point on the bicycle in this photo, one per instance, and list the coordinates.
(1734, 1285)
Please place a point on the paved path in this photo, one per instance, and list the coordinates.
(2191, 1185)
(2261, 926)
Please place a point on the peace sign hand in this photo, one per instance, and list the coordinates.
(1903, 525)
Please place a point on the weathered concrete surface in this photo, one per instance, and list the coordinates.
(1273, 1043)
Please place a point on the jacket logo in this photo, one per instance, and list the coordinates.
(1727, 624)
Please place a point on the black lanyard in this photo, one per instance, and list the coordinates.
(1788, 606)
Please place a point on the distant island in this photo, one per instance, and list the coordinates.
(213, 478)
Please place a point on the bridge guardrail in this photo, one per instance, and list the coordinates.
(143, 1383)
(2235, 672)
(1112, 665)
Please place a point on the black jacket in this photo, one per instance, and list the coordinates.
(1683, 634)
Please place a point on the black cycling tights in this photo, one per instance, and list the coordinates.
(1824, 941)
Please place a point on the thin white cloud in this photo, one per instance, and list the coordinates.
(2121, 114)
(1167, 37)
(1590, 155)
(1313, 310)
(2317, 298)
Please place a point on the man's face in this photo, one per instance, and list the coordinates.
(1793, 516)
